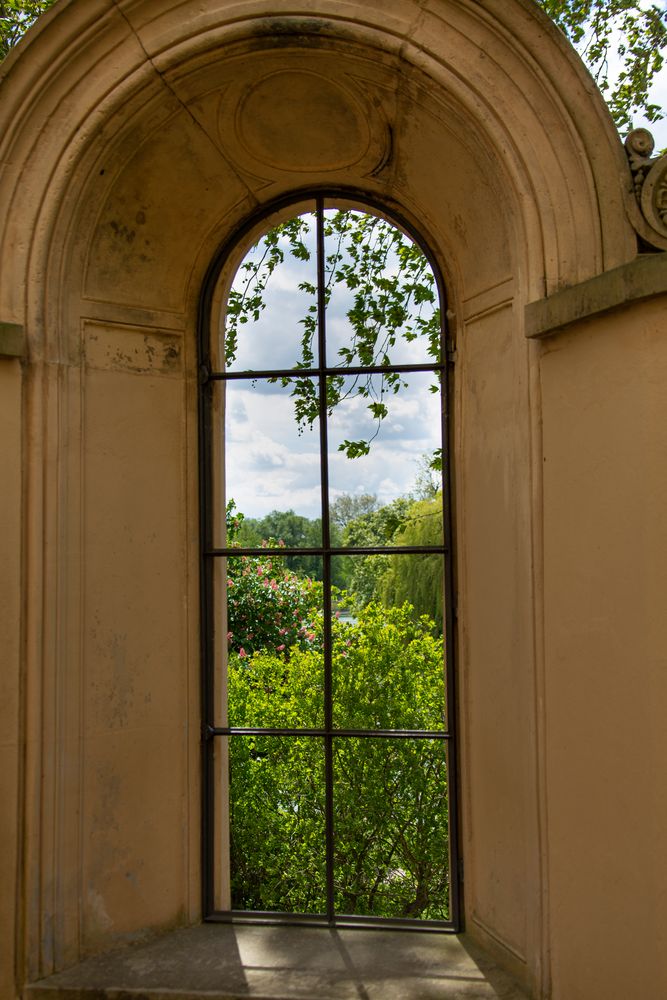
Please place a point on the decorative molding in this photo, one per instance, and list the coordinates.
(112, 347)
(649, 174)
(304, 118)
(12, 340)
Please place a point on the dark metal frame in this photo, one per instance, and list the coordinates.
(209, 552)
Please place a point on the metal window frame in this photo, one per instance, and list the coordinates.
(320, 199)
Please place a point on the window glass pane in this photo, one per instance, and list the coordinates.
(275, 674)
(388, 662)
(382, 432)
(391, 836)
(382, 300)
(267, 462)
(271, 317)
(219, 824)
(277, 824)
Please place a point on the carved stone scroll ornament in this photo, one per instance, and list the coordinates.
(650, 178)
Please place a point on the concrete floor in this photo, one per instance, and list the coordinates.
(246, 962)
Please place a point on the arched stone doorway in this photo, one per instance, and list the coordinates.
(136, 138)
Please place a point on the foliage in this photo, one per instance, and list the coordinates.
(268, 606)
(390, 835)
(594, 27)
(16, 16)
(428, 482)
(377, 526)
(393, 295)
(394, 579)
(374, 528)
(349, 506)
(417, 578)
(293, 531)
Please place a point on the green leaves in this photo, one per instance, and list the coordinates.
(390, 796)
(390, 292)
(16, 16)
(637, 33)
(355, 449)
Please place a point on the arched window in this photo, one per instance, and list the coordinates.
(328, 688)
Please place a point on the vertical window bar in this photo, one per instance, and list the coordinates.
(206, 640)
(326, 561)
(449, 622)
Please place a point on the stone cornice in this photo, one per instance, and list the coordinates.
(642, 278)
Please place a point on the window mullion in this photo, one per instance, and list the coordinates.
(326, 560)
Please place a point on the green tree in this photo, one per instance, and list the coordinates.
(417, 578)
(350, 506)
(391, 818)
(630, 29)
(376, 527)
(293, 531)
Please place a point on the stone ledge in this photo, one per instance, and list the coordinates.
(12, 340)
(250, 962)
(642, 278)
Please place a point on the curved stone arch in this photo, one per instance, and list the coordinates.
(501, 152)
(561, 158)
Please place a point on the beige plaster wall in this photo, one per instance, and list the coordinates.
(10, 645)
(605, 536)
(496, 656)
(136, 667)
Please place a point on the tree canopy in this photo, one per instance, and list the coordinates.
(631, 30)
(391, 812)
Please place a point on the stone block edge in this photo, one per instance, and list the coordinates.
(642, 278)
(12, 340)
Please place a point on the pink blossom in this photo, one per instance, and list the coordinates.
(229, 635)
(230, 583)
(280, 647)
(242, 652)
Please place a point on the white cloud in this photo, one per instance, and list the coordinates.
(271, 466)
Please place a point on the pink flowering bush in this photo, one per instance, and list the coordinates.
(269, 607)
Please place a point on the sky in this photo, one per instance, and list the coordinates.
(271, 462)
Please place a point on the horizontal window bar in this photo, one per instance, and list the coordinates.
(320, 920)
(369, 550)
(296, 373)
(378, 923)
(383, 734)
